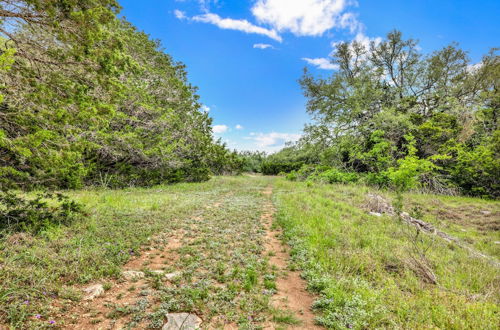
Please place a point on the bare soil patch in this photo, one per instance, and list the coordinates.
(291, 288)
(124, 294)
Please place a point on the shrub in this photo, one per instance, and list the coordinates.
(322, 173)
(380, 179)
(274, 168)
(335, 176)
(477, 172)
(292, 176)
(33, 215)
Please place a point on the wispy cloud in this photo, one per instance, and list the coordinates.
(218, 129)
(179, 14)
(262, 46)
(272, 141)
(321, 63)
(239, 127)
(236, 24)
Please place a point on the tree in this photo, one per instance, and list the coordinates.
(89, 99)
(386, 91)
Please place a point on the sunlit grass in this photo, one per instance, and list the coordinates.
(36, 269)
(364, 270)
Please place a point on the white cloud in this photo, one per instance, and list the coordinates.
(239, 127)
(321, 63)
(365, 40)
(350, 21)
(474, 68)
(205, 108)
(360, 38)
(179, 14)
(272, 141)
(262, 46)
(220, 129)
(304, 17)
(238, 25)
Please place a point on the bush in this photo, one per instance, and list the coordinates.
(335, 176)
(477, 172)
(292, 176)
(380, 179)
(322, 173)
(33, 215)
(272, 168)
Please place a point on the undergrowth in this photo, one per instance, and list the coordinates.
(33, 214)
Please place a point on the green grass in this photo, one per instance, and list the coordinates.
(367, 271)
(36, 270)
(475, 221)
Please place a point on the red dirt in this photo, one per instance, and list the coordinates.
(292, 294)
(83, 314)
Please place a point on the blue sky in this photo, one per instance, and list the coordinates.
(246, 56)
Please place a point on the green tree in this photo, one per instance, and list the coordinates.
(386, 91)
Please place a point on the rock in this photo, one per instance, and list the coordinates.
(171, 276)
(376, 214)
(93, 292)
(485, 212)
(497, 242)
(378, 204)
(131, 274)
(182, 321)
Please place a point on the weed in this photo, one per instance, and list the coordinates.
(284, 317)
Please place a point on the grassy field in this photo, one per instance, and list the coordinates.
(366, 271)
(374, 271)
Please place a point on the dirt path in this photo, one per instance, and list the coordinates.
(213, 267)
(291, 288)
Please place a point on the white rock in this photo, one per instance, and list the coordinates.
(376, 214)
(182, 321)
(171, 276)
(93, 292)
(486, 212)
(131, 274)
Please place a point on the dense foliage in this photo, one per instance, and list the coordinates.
(88, 99)
(275, 168)
(404, 119)
(252, 161)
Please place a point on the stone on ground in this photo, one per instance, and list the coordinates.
(93, 292)
(171, 276)
(131, 274)
(182, 321)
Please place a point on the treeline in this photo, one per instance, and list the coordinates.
(87, 99)
(394, 117)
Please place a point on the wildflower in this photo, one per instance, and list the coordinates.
(26, 302)
(38, 316)
(52, 322)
